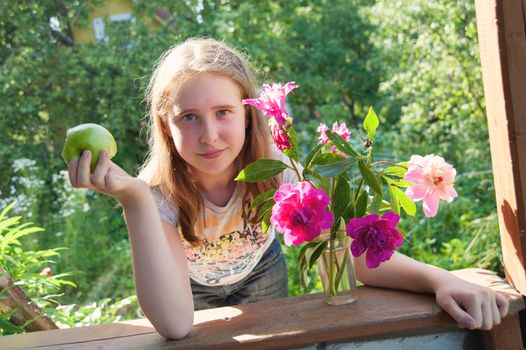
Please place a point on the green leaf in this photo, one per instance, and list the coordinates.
(262, 198)
(313, 253)
(265, 223)
(375, 203)
(341, 144)
(369, 177)
(292, 152)
(6, 210)
(312, 154)
(317, 180)
(11, 328)
(371, 122)
(348, 212)
(341, 196)
(408, 205)
(397, 170)
(261, 170)
(304, 277)
(265, 207)
(396, 182)
(393, 200)
(335, 168)
(327, 158)
(361, 204)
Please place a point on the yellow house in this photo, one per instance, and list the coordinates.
(113, 11)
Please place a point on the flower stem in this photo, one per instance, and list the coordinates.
(386, 162)
(295, 168)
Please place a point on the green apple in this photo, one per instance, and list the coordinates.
(92, 137)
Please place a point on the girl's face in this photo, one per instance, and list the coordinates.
(208, 126)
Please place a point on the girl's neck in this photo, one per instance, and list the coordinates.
(217, 189)
(218, 193)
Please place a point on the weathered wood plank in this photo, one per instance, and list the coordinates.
(502, 41)
(24, 312)
(282, 323)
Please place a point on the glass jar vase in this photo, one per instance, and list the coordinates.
(336, 268)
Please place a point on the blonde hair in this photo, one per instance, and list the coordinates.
(164, 168)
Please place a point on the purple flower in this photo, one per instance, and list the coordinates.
(300, 212)
(378, 236)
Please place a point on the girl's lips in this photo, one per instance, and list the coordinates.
(212, 154)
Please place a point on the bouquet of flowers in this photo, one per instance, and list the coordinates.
(342, 195)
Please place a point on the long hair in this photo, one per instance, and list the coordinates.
(164, 168)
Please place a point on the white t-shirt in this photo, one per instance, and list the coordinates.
(231, 246)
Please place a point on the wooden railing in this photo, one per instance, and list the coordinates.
(380, 317)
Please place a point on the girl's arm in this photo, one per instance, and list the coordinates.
(159, 261)
(472, 306)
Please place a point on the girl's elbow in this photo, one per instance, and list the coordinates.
(176, 329)
(178, 332)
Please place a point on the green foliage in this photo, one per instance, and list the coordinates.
(24, 266)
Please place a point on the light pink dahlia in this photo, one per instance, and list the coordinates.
(432, 180)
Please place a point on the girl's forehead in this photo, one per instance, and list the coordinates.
(206, 88)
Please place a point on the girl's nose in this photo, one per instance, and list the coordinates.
(209, 132)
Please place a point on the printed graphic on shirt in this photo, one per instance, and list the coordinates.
(230, 249)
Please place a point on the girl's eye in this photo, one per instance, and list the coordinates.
(189, 117)
(223, 112)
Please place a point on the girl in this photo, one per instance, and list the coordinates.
(194, 242)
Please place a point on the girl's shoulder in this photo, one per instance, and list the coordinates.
(167, 210)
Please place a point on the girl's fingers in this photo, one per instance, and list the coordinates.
(72, 171)
(502, 304)
(459, 315)
(98, 176)
(495, 311)
(487, 315)
(475, 310)
(83, 172)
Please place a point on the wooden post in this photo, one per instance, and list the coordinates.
(502, 37)
(25, 313)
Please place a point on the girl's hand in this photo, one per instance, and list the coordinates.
(107, 178)
(471, 305)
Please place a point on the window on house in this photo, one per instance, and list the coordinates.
(118, 24)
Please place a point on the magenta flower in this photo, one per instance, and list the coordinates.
(272, 101)
(279, 135)
(378, 236)
(300, 212)
(432, 180)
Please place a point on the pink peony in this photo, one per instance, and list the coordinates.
(342, 131)
(338, 129)
(378, 236)
(322, 129)
(272, 101)
(432, 180)
(279, 135)
(300, 212)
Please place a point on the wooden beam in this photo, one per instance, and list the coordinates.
(502, 39)
(377, 315)
(24, 312)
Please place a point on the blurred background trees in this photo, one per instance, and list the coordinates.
(65, 62)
